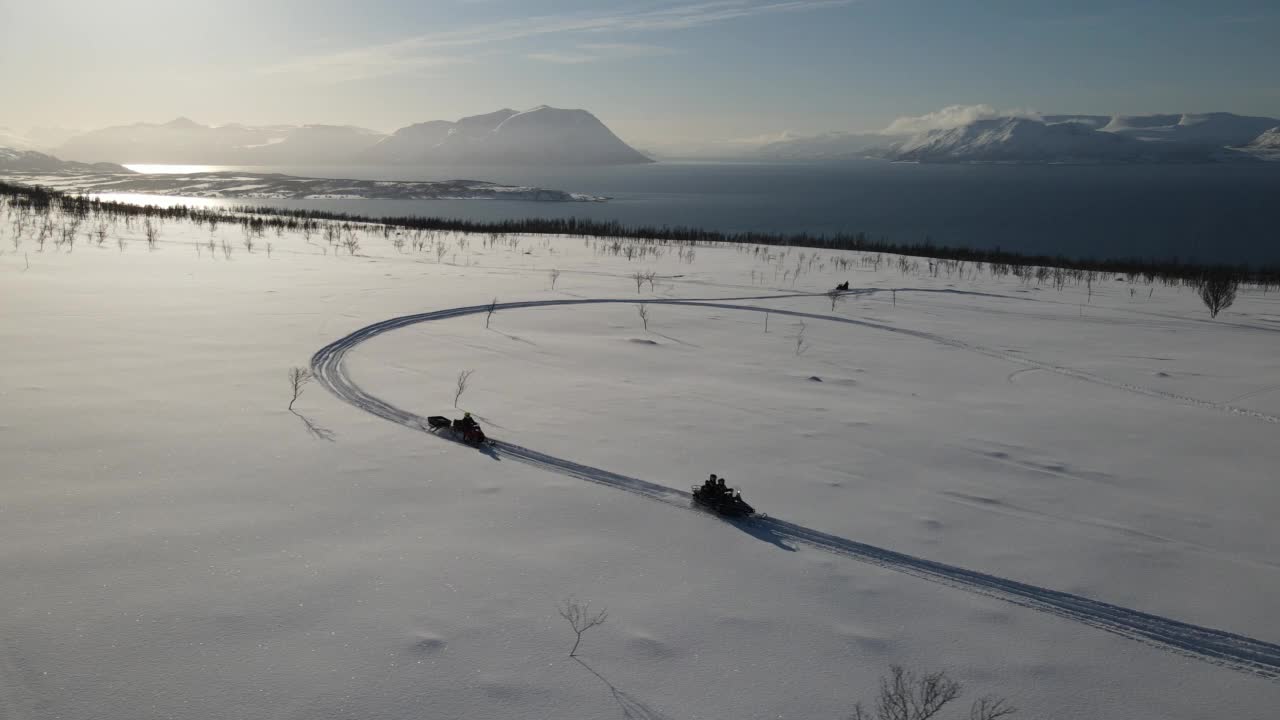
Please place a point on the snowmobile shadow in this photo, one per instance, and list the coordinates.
(632, 709)
(760, 531)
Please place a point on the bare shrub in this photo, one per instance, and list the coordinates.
(298, 378)
(639, 278)
(493, 308)
(907, 696)
(1218, 293)
(643, 309)
(579, 617)
(463, 377)
(152, 233)
(555, 275)
(834, 296)
(801, 343)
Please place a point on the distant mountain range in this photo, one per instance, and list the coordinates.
(34, 168)
(541, 136)
(30, 161)
(1187, 138)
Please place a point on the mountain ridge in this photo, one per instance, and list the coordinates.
(541, 135)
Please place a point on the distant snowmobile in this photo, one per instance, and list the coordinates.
(465, 429)
(715, 496)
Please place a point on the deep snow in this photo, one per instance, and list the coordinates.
(176, 544)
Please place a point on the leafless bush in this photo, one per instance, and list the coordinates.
(493, 308)
(226, 249)
(579, 617)
(248, 239)
(463, 377)
(101, 233)
(1218, 293)
(639, 278)
(298, 378)
(152, 233)
(351, 243)
(907, 696)
(801, 343)
(643, 309)
(441, 249)
(555, 275)
(834, 296)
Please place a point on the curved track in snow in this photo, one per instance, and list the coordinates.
(1219, 647)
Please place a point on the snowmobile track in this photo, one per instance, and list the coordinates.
(1225, 649)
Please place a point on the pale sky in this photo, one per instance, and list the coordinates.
(656, 71)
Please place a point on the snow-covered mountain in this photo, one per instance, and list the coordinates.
(541, 136)
(12, 139)
(19, 160)
(1266, 145)
(1035, 138)
(1218, 129)
(1023, 140)
(188, 142)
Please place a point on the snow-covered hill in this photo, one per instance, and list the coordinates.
(951, 450)
(1023, 140)
(541, 136)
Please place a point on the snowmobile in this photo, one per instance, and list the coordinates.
(722, 501)
(464, 429)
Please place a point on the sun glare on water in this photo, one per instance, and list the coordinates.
(164, 169)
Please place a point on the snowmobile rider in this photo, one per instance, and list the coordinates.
(466, 423)
(709, 484)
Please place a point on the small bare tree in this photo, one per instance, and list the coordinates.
(152, 232)
(1218, 293)
(801, 343)
(834, 296)
(639, 278)
(643, 309)
(298, 378)
(579, 617)
(493, 308)
(463, 377)
(555, 275)
(906, 696)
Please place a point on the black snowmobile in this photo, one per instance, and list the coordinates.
(721, 500)
(464, 429)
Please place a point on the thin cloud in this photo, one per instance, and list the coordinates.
(602, 52)
(426, 50)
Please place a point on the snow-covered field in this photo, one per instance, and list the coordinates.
(939, 465)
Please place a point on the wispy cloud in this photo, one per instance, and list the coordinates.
(602, 52)
(951, 116)
(440, 48)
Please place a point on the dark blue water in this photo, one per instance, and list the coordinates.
(1209, 213)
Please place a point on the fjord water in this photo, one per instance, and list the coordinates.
(1209, 213)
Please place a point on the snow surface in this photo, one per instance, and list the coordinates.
(176, 544)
